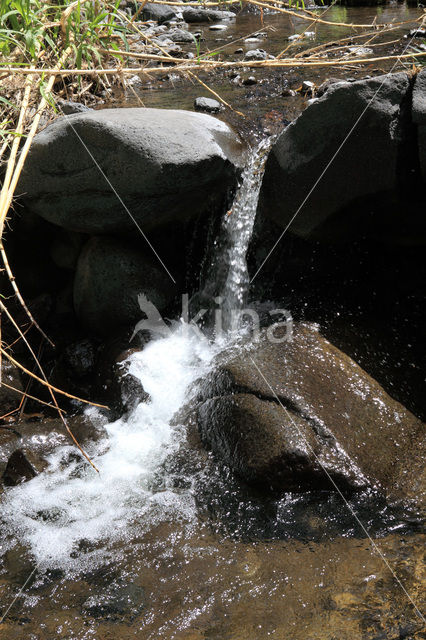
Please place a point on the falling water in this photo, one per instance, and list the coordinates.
(238, 228)
(68, 502)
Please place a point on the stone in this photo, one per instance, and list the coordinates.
(325, 86)
(419, 117)
(307, 146)
(80, 358)
(110, 275)
(308, 88)
(275, 411)
(199, 14)
(207, 104)
(256, 54)
(158, 12)
(167, 167)
(249, 81)
(21, 467)
(180, 35)
(68, 107)
(10, 387)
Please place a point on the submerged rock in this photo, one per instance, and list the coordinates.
(362, 169)
(110, 275)
(279, 414)
(166, 166)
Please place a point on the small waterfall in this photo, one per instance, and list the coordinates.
(238, 228)
(68, 502)
(226, 278)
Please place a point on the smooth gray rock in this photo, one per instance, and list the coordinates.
(166, 166)
(366, 165)
(208, 104)
(110, 275)
(419, 117)
(195, 14)
(181, 35)
(158, 12)
(68, 107)
(334, 414)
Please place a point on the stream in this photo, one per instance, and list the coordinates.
(165, 543)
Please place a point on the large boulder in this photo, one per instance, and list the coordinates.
(110, 275)
(301, 414)
(419, 117)
(347, 143)
(166, 166)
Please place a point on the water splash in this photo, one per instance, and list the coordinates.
(68, 504)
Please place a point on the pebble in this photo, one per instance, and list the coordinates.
(239, 51)
(417, 33)
(249, 81)
(288, 93)
(180, 35)
(256, 54)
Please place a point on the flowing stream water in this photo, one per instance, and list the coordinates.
(69, 502)
(165, 542)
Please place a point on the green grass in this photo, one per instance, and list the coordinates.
(30, 29)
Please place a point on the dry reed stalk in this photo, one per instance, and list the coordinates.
(47, 384)
(210, 65)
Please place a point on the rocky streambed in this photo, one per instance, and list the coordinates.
(239, 477)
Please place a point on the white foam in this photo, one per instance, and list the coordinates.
(70, 502)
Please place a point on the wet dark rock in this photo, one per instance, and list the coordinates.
(80, 358)
(249, 81)
(256, 54)
(419, 117)
(11, 380)
(180, 35)
(162, 162)
(158, 12)
(195, 14)
(110, 276)
(21, 467)
(239, 50)
(130, 391)
(207, 104)
(9, 443)
(68, 107)
(417, 33)
(268, 408)
(308, 144)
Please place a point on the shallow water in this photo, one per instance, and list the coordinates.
(166, 542)
(258, 100)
